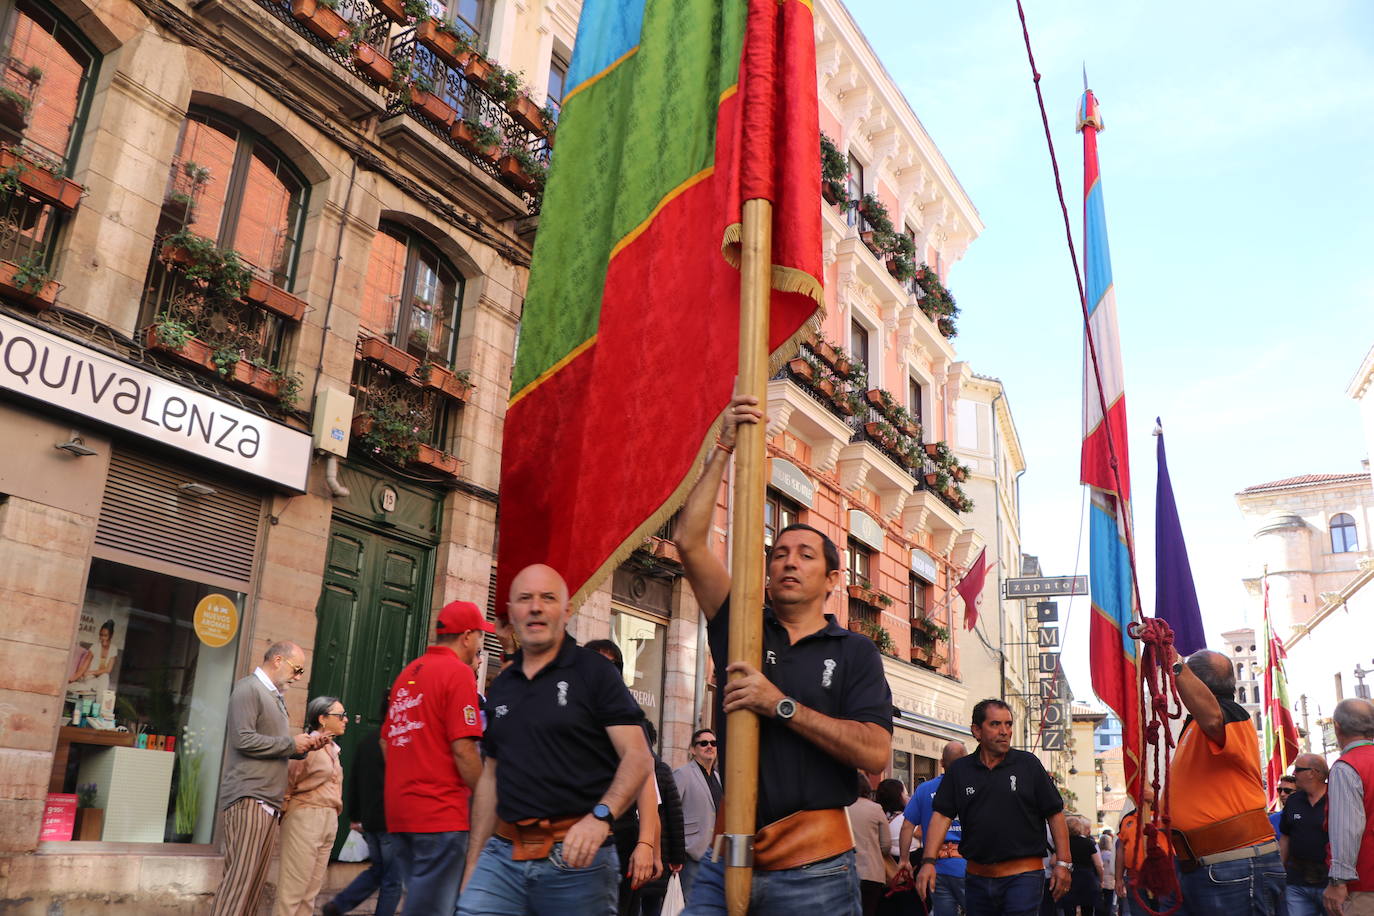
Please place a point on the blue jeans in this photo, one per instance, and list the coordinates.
(948, 897)
(1245, 887)
(500, 886)
(432, 868)
(1014, 895)
(383, 872)
(1305, 900)
(688, 875)
(829, 887)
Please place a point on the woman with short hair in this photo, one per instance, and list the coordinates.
(314, 800)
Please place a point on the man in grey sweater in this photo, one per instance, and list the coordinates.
(254, 781)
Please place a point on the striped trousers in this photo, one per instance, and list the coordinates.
(249, 833)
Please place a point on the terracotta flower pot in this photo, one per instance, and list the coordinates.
(843, 367)
(379, 351)
(665, 549)
(931, 479)
(39, 181)
(375, 66)
(320, 20)
(831, 197)
(826, 387)
(932, 449)
(14, 114)
(393, 10)
(432, 108)
(195, 351)
(526, 113)
(477, 69)
(445, 382)
(909, 429)
(826, 353)
(874, 396)
(431, 457)
(443, 44)
(256, 378)
(275, 299)
(38, 299)
(801, 368)
(513, 173)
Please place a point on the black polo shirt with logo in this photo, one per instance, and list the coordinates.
(833, 671)
(1002, 810)
(548, 734)
(1305, 826)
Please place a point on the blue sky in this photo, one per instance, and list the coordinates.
(1239, 193)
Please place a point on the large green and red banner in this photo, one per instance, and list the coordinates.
(677, 111)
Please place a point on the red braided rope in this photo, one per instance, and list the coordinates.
(1157, 874)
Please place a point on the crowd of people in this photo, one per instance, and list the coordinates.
(547, 795)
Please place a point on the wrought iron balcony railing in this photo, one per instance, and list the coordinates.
(372, 27)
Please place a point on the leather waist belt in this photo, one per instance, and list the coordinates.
(801, 838)
(533, 838)
(1234, 834)
(1232, 855)
(1006, 869)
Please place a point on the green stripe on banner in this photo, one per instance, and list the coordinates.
(625, 141)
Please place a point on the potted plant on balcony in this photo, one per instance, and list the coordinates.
(479, 136)
(374, 66)
(525, 112)
(880, 636)
(29, 282)
(398, 11)
(901, 257)
(834, 172)
(878, 235)
(21, 169)
(502, 84)
(901, 418)
(391, 431)
(436, 459)
(427, 104)
(520, 168)
(199, 258)
(14, 109)
(946, 327)
(384, 354)
(881, 432)
(455, 385)
(802, 368)
(449, 41)
(320, 18)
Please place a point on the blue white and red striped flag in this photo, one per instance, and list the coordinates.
(1114, 656)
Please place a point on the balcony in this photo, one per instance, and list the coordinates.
(210, 310)
(34, 199)
(458, 111)
(400, 415)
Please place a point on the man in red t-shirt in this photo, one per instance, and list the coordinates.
(432, 761)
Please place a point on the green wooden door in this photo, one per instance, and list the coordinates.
(372, 618)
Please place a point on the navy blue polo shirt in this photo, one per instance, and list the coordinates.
(548, 733)
(1002, 810)
(833, 671)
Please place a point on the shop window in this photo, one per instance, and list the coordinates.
(1343, 538)
(643, 643)
(252, 200)
(142, 733)
(412, 295)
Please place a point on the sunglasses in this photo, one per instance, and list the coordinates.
(337, 715)
(296, 670)
(1287, 791)
(706, 744)
(1302, 769)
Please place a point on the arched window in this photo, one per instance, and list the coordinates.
(1241, 692)
(412, 295)
(252, 199)
(51, 67)
(1343, 538)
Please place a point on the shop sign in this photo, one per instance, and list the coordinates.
(789, 480)
(49, 368)
(923, 564)
(59, 817)
(913, 742)
(216, 620)
(1047, 585)
(924, 707)
(863, 527)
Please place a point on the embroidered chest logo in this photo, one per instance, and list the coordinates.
(829, 672)
(968, 790)
(1013, 782)
(562, 693)
(501, 710)
(770, 657)
(1297, 817)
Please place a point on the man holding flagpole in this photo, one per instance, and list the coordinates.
(822, 697)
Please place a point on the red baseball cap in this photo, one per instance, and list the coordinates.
(462, 616)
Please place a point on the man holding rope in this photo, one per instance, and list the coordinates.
(1227, 855)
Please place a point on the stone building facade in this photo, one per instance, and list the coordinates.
(270, 293)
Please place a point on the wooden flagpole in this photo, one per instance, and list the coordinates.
(746, 552)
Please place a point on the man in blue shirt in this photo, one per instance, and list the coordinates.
(948, 898)
(1287, 786)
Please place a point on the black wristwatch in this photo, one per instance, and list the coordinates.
(1178, 668)
(602, 812)
(786, 709)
